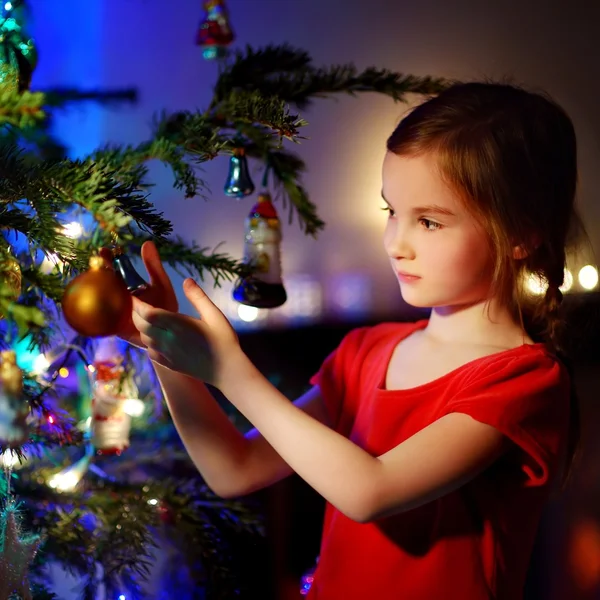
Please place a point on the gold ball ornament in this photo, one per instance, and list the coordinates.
(96, 303)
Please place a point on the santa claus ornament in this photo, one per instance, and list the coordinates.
(215, 33)
(264, 288)
(111, 424)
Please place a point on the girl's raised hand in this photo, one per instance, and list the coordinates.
(203, 348)
(159, 293)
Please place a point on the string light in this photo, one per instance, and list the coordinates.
(40, 364)
(134, 407)
(567, 282)
(73, 230)
(535, 284)
(63, 372)
(588, 277)
(247, 313)
(67, 479)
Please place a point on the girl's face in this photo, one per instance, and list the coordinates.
(430, 235)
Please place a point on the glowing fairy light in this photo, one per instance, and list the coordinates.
(535, 284)
(588, 277)
(134, 407)
(247, 313)
(63, 372)
(40, 364)
(568, 281)
(73, 230)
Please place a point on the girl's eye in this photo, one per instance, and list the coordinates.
(390, 210)
(430, 225)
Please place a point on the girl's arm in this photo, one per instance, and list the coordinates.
(230, 463)
(435, 461)
(430, 464)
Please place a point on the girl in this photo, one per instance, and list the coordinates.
(436, 443)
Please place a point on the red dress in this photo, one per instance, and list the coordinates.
(474, 543)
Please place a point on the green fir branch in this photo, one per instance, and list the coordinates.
(20, 110)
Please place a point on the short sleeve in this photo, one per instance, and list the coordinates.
(333, 375)
(527, 399)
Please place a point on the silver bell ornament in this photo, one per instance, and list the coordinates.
(239, 183)
(124, 267)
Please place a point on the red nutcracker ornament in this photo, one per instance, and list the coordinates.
(215, 33)
(264, 288)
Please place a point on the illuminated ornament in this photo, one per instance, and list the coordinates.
(215, 33)
(111, 423)
(97, 303)
(16, 555)
(124, 267)
(14, 409)
(18, 56)
(10, 275)
(239, 183)
(264, 288)
(67, 479)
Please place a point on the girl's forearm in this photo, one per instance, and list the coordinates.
(214, 444)
(335, 467)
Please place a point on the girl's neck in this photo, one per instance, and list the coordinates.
(475, 324)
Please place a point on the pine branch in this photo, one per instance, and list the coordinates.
(288, 74)
(194, 261)
(20, 109)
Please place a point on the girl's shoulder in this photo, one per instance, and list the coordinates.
(367, 337)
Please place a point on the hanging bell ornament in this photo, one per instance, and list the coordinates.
(124, 267)
(96, 303)
(10, 275)
(13, 406)
(215, 33)
(239, 182)
(264, 288)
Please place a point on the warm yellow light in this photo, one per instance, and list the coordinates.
(73, 230)
(40, 364)
(247, 313)
(588, 277)
(535, 284)
(568, 281)
(63, 372)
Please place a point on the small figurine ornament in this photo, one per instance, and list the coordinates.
(215, 33)
(112, 387)
(14, 408)
(264, 288)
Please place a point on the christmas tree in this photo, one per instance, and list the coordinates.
(95, 474)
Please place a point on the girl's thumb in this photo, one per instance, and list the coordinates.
(200, 301)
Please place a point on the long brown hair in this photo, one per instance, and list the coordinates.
(511, 155)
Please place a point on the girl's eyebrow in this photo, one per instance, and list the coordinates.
(429, 208)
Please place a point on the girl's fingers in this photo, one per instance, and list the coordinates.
(148, 341)
(140, 323)
(157, 357)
